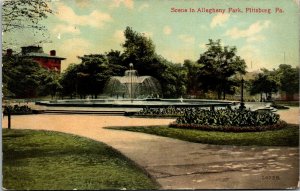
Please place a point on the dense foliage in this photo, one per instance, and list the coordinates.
(24, 78)
(17, 110)
(218, 66)
(228, 117)
(163, 112)
(285, 79)
(229, 120)
(140, 50)
(213, 75)
(263, 83)
(89, 77)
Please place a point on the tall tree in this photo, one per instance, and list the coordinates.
(219, 64)
(140, 50)
(68, 81)
(192, 76)
(91, 75)
(50, 84)
(263, 83)
(289, 79)
(31, 74)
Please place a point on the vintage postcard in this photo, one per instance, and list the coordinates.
(150, 94)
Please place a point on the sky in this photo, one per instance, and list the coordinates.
(81, 27)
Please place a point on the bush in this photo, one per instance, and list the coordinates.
(165, 112)
(229, 120)
(228, 117)
(17, 110)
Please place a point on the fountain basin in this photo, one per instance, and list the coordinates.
(137, 103)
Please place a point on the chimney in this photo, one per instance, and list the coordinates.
(52, 53)
(9, 52)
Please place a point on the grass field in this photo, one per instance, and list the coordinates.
(288, 136)
(38, 160)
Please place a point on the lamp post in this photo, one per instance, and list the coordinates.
(242, 104)
(131, 68)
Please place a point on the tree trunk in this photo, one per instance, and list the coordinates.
(261, 96)
(219, 94)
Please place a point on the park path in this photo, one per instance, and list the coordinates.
(179, 164)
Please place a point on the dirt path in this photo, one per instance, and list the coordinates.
(178, 164)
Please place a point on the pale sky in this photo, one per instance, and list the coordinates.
(96, 26)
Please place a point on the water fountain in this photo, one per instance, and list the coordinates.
(133, 86)
(134, 92)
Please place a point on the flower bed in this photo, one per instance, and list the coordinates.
(229, 120)
(165, 112)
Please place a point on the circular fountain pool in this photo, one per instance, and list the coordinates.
(137, 103)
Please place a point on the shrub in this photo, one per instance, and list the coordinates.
(228, 117)
(165, 112)
(17, 110)
(229, 120)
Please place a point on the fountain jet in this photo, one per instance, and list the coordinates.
(133, 86)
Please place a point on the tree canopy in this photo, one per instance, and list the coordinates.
(263, 83)
(24, 78)
(22, 14)
(284, 78)
(90, 76)
(217, 67)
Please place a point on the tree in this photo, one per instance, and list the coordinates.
(23, 78)
(192, 76)
(68, 81)
(91, 75)
(140, 50)
(174, 81)
(24, 14)
(218, 65)
(288, 79)
(50, 84)
(263, 83)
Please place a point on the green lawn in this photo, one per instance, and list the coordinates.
(35, 160)
(288, 136)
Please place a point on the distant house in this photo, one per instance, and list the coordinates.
(36, 53)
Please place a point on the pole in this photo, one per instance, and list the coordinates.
(9, 119)
(131, 86)
(242, 106)
(131, 70)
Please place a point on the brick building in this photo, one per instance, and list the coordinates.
(36, 53)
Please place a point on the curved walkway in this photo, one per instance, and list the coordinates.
(179, 164)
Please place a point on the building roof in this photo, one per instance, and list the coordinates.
(42, 55)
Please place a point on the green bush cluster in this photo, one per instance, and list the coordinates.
(17, 110)
(229, 118)
(166, 112)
